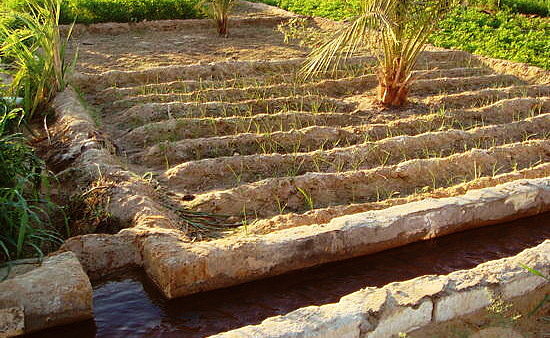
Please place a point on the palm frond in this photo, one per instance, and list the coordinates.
(394, 31)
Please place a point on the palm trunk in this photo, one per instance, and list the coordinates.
(393, 87)
(393, 95)
(222, 26)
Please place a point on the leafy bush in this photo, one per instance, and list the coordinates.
(24, 222)
(93, 11)
(503, 35)
(37, 52)
(538, 7)
(332, 9)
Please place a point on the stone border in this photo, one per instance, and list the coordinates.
(406, 306)
(57, 292)
(182, 268)
(92, 157)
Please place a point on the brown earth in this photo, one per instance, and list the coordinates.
(138, 46)
(227, 126)
(201, 137)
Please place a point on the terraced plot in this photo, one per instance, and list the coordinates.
(212, 170)
(251, 140)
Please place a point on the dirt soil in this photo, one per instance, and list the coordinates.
(224, 130)
(108, 47)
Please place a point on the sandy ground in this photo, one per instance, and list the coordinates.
(226, 124)
(109, 47)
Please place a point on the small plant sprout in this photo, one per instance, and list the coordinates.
(280, 206)
(236, 175)
(308, 199)
(218, 10)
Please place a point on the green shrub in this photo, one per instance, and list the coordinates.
(503, 35)
(24, 222)
(93, 11)
(332, 9)
(539, 7)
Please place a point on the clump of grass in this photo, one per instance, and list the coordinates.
(25, 227)
(39, 67)
(308, 199)
(218, 10)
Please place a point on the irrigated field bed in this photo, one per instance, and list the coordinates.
(223, 165)
(251, 140)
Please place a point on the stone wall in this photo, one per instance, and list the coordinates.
(181, 268)
(406, 306)
(56, 292)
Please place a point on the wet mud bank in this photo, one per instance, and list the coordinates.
(129, 304)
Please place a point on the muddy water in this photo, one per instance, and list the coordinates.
(127, 304)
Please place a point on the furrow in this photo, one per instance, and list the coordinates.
(486, 96)
(211, 71)
(194, 128)
(325, 215)
(227, 171)
(448, 84)
(333, 88)
(231, 69)
(314, 138)
(303, 140)
(439, 69)
(319, 190)
(288, 85)
(504, 111)
(151, 112)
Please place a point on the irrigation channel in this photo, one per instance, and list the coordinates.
(128, 304)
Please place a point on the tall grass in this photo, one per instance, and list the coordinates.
(24, 221)
(34, 55)
(37, 54)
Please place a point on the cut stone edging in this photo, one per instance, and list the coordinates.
(92, 156)
(181, 268)
(154, 242)
(402, 307)
(57, 292)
